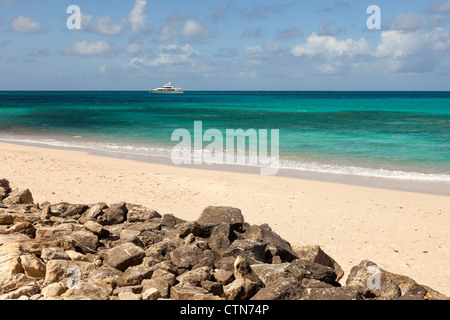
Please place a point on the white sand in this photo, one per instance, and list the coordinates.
(404, 233)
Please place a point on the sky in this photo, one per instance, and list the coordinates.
(224, 45)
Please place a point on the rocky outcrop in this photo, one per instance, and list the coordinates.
(129, 252)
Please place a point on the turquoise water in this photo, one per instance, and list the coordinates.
(403, 135)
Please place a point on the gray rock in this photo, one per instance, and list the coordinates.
(281, 247)
(212, 216)
(335, 293)
(317, 255)
(186, 256)
(378, 282)
(85, 241)
(138, 213)
(115, 214)
(254, 251)
(312, 270)
(221, 237)
(284, 289)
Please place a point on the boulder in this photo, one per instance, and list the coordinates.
(264, 234)
(195, 277)
(221, 237)
(159, 285)
(284, 289)
(335, 293)
(33, 266)
(212, 216)
(22, 197)
(85, 241)
(138, 213)
(115, 214)
(316, 254)
(378, 282)
(186, 256)
(254, 251)
(123, 256)
(311, 270)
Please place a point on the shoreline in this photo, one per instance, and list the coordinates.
(408, 185)
(403, 232)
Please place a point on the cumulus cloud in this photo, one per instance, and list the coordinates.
(103, 25)
(23, 24)
(137, 17)
(133, 48)
(193, 29)
(86, 49)
(330, 47)
(419, 51)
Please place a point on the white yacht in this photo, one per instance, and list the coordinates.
(167, 89)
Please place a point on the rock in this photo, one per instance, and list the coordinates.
(186, 256)
(115, 214)
(253, 251)
(85, 291)
(33, 266)
(170, 221)
(159, 285)
(73, 211)
(224, 277)
(282, 248)
(23, 197)
(134, 275)
(246, 283)
(85, 241)
(92, 213)
(10, 262)
(189, 227)
(341, 293)
(46, 213)
(165, 275)
(128, 296)
(123, 256)
(212, 216)
(378, 282)
(138, 213)
(69, 272)
(284, 289)
(151, 294)
(48, 254)
(221, 237)
(76, 256)
(264, 271)
(27, 291)
(316, 254)
(212, 287)
(54, 289)
(96, 228)
(4, 184)
(195, 277)
(188, 293)
(312, 270)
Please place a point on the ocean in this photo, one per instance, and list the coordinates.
(389, 135)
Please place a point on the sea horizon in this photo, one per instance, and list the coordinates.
(394, 135)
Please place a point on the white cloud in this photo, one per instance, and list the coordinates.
(398, 44)
(137, 17)
(23, 24)
(330, 48)
(104, 25)
(193, 29)
(133, 48)
(167, 55)
(440, 6)
(84, 48)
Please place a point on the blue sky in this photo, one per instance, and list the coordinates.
(225, 45)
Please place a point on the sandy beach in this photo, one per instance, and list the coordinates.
(403, 232)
